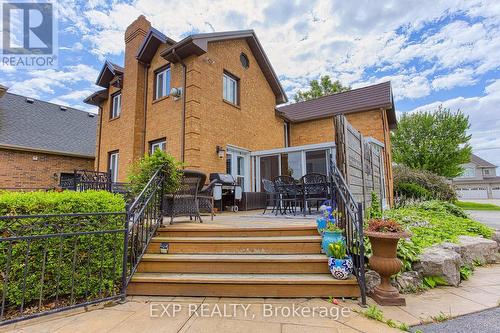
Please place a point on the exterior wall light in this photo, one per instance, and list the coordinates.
(220, 151)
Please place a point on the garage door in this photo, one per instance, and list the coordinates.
(472, 193)
(496, 192)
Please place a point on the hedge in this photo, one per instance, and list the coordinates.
(97, 258)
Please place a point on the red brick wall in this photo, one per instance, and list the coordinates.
(21, 169)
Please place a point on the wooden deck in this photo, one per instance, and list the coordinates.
(240, 254)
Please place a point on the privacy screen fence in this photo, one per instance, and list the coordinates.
(360, 160)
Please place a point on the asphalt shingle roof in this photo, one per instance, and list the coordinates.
(480, 162)
(361, 99)
(44, 126)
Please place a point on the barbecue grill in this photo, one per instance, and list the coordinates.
(226, 191)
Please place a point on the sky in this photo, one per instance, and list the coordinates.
(434, 52)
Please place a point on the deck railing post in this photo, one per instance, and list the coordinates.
(361, 243)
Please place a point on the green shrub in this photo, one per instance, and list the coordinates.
(95, 258)
(412, 190)
(30, 203)
(142, 171)
(437, 186)
(375, 210)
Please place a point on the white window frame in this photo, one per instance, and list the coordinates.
(162, 77)
(116, 107)
(159, 144)
(113, 165)
(230, 87)
(469, 172)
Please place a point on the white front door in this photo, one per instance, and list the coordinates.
(238, 165)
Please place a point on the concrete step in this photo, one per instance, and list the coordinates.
(234, 263)
(242, 285)
(207, 230)
(238, 245)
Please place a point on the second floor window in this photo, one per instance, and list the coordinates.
(116, 105)
(468, 172)
(162, 83)
(230, 88)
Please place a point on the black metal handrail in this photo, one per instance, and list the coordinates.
(55, 262)
(352, 220)
(144, 216)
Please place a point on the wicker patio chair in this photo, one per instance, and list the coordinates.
(271, 195)
(184, 201)
(289, 194)
(315, 189)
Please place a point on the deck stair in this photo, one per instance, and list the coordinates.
(237, 261)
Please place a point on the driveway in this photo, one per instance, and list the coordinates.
(490, 218)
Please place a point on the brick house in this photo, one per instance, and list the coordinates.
(211, 101)
(39, 141)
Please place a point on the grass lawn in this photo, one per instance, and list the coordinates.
(476, 206)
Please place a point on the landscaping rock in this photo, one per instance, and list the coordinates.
(439, 261)
(372, 279)
(473, 249)
(496, 238)
(409, 281)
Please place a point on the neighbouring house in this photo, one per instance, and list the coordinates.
(211, 101)
(479, 180)
(39, 141)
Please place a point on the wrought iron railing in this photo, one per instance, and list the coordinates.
(82, 180)
(144, 216)
(351, 218)
(50, 263)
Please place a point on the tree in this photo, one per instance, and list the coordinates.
(436, 141)
(322, 88)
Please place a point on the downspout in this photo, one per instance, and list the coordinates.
(146, 69)
(183, 112)
(99, 140)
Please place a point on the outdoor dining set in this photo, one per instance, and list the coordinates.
(286, 194)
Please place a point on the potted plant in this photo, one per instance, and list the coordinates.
(384, 235)
(339, 263)
(331, 234)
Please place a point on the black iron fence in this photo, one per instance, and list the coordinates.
(351, 218)
(50, 263)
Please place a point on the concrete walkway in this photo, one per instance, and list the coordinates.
(205, 314)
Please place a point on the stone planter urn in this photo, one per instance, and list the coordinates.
(386, 264)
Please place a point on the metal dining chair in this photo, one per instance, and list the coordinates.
(314, 190)
(289, 194)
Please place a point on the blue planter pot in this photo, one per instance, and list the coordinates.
(320, 224)
(331, 237)
(340, 268)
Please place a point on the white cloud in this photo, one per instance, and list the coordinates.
(47, 81)
(305, 39)
(459, 78)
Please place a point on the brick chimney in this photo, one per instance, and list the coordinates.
(3, 90)
(134, 83)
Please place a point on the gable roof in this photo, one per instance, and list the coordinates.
(44, 126)
(151, 42)
(478, 161)
(356, 100)
(197, 44)
(108, 72)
